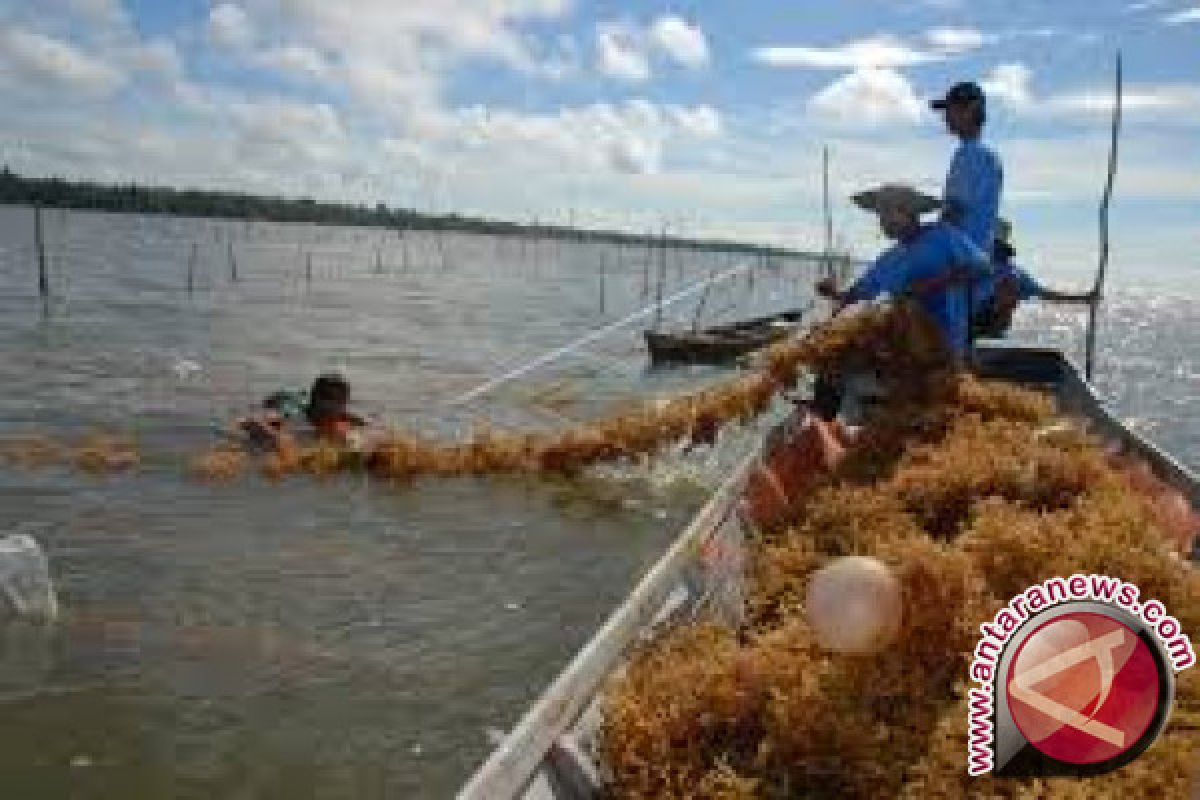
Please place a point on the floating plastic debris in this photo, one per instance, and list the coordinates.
(185, 369)
(25, 580)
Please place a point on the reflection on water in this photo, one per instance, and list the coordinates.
(339, 639)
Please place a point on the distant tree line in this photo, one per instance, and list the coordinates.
(58, 193)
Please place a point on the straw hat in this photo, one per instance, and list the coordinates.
(895, 196)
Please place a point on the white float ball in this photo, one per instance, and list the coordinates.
(854, 605)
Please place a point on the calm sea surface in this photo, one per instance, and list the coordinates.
(347, 638)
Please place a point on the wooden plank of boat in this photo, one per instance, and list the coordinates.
(720, 343)
(546, 757)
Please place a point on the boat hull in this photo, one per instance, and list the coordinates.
(720, 344)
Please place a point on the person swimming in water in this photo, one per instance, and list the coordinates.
(326, 408)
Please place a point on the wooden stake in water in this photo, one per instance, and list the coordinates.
(662, 277)
(39, 242)
(308, 269)
(191, 273)
(378, 261)
(646, 268)
(712, 275)
(603, 262)
(233, 265)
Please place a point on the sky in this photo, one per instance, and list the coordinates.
(708, 117)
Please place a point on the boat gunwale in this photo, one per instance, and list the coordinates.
(512, 765)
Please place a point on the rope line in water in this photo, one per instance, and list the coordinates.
(590, 337)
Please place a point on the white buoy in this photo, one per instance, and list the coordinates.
(854, 605)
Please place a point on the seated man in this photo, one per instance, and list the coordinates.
(995, 298)
(935, 263)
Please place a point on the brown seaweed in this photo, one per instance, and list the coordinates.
(971, 491)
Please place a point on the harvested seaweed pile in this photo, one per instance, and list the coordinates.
(970, 491)
(901, 339)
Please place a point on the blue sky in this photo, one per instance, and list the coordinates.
(707, 116)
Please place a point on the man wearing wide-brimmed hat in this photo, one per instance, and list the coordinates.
(971, 198)
(996, 297)
(935, 262)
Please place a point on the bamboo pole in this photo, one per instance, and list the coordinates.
(39, 241)
(646, 267)
(1102, 268)
(191, 269)
(233, 265)
(662, 276)
(603, 269)
(703, 299)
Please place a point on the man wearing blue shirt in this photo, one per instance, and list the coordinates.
(971, 199)
(996, 297)
(935, 263)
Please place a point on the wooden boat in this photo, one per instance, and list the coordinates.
(548, 755)
(721, 344)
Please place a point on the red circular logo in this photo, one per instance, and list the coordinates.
(1083, 688)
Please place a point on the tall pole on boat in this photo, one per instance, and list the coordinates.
(1102, 269)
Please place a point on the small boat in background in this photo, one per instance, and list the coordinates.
(720, 344)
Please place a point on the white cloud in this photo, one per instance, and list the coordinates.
(619, 54)
(1163, 100)
(31, 57)
(1012, 85)
(881, 51)
(229, 26)
(1183, 17)
(867, 96)
(953, 41)
(701, 121)
(1009, 84)
(683, 43)
(105, 12)
(296, 59)
(630, 138)
(416, 33)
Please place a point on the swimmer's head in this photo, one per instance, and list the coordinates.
(329, 396)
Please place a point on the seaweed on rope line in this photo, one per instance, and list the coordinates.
(899, 340)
